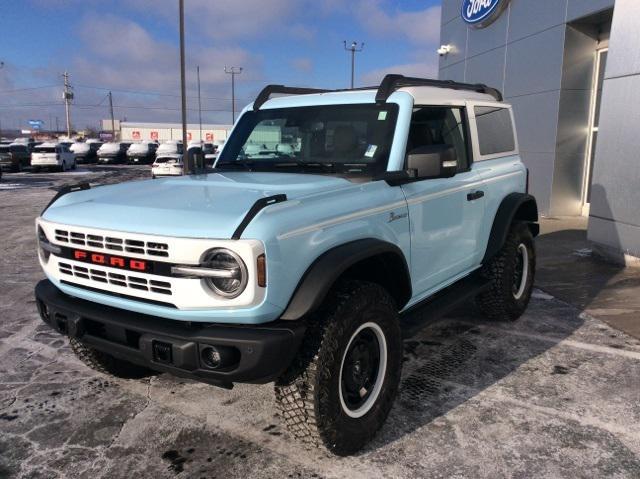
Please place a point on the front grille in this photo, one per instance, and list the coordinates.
(111, 243)
(116, 279)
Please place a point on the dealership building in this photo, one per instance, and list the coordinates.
(133, 131)
(571, 70)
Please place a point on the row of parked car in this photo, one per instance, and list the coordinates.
(65, 154)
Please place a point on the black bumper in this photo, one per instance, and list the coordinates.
(255, 354)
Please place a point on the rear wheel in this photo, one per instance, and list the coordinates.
(340, 389)
(107, 364)
(511, 273)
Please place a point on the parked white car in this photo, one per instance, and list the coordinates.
(169, 164)
(53, 156)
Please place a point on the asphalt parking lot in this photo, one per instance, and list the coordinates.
(556, 394)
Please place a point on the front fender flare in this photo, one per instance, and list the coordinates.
(328, 267)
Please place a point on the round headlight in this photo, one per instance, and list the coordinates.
(235, 278)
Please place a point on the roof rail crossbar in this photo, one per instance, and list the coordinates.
(393, 82)
(269, 90)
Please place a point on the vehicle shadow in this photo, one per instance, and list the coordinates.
(454, 360)
(571, 269)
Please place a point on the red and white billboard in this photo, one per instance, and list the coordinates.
(209, 136)
(188, 136)
(154, 135)
(135, 135)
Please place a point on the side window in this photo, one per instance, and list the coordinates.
(434, 125)
(495, 131)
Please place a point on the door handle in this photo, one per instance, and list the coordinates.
(476, 195)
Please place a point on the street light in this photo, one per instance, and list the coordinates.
(186, 167)
(233, 71)
(353, 48)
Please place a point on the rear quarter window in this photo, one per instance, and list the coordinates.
(495, 130)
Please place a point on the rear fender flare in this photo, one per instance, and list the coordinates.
(514, 207)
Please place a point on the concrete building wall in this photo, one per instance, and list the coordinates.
(539, 62)
(615, 199)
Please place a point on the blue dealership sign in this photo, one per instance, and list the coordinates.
(481, 13)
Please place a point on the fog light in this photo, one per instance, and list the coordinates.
(211, 357)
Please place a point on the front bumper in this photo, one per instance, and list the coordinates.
(259, 354)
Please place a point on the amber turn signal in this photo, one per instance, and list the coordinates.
(262, 271)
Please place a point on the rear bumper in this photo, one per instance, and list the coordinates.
(254, 354)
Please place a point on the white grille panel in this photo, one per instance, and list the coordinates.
(110, 243)
(117, 279)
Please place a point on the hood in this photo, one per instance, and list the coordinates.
(109, 148)
(138, 148)
(199, 206)
(79, 147)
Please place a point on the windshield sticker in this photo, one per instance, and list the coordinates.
(371, 150)
(382, 115)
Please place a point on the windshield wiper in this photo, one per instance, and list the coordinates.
(244, 164)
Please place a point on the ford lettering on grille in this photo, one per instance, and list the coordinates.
(110, 260)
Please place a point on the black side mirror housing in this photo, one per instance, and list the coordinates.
(433, 161)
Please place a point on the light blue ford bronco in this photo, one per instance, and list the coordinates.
(334, 223)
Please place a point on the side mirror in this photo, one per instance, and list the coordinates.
(433, 161)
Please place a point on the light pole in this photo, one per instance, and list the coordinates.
(353, 48)
(113, 122)
(233, 71)
(186, 166)
(68, 96)
(199, 104)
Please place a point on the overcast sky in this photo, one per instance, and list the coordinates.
(132, 46)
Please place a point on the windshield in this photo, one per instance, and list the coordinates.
(346, 140)
(167, 160)
(46, 149)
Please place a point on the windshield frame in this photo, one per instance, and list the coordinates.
(229, 158)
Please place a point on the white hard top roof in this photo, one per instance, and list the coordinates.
(47, 144)
(421, 95)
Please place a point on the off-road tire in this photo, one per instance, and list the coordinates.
(499, 303)
(307, 394)
(106, 364)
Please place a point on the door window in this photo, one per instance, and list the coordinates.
(440, 126)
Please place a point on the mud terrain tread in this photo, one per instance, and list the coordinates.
(498, 302)
(299, 401)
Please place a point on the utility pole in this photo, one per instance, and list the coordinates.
(199, 104)
(186, 166)
(68, 96)
(354, 48)
(57, 127)
(113, 122)
(233, 71)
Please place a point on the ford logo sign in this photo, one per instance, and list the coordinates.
(481, 13)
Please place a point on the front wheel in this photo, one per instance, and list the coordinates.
(340, 389)
(510, 272)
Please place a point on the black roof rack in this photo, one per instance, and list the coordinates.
(269, 90)
(393, 82)
(389, 84)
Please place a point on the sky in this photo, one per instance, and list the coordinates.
(131, 47)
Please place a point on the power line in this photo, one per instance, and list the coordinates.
(29, 88)
(154, 93)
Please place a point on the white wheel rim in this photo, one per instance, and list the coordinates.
(523, 252)
(382, 369)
